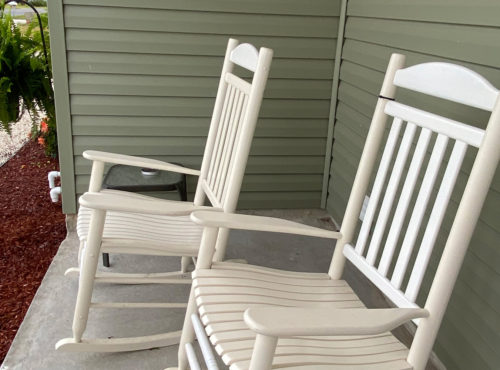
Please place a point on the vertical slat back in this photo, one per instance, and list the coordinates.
(404, 202)
(378, 184)
(231, 121)
(397, 195)
(390, 193)
(457, 84)
(420, 204)
(434, 224)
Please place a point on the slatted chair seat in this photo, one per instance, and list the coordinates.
(156, 234)
(259, 318)
(226, 290)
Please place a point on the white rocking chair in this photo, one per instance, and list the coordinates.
(260, 318)
(122, 222)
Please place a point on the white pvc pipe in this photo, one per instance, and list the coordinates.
(55, 191)
(52, 178)
(192, 359)
(205, 346)
(54, 194)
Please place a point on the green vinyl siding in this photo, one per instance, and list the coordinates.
(463, 32)
(142, 81)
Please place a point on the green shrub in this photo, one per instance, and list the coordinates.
(38, 3)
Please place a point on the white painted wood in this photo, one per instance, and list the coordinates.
(175, 277)
(390, 193)
(467, 215)
(378, 185)
(404, 201)
(270, 224)
(219, 145)
(191, 355)
(453, 129)
(105, 157)
(435, 220)
(263, 352)
(206, 349)
(136, 305)
(211, 164)
(246, 56)
(119, 344)
(220, 100)
(381, 282)
(319, 322)
(449, 81)
(228, 145)
(275, 322)
(238, 83)
(143, 225)
(210, 195)
(366, 165)
(123, 203)
(231, 153)
(424, 195)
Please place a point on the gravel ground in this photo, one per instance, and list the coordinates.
(10, 144)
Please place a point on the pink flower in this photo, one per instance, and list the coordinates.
(44, 127)
(41, 141)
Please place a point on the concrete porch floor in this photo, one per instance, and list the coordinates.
(50, 315)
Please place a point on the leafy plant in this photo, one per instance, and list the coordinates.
(25, 77)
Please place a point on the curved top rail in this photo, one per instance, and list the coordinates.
(246, 56)
(449, 81)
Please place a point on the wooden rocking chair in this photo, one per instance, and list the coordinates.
(260, 318)
(123, 222)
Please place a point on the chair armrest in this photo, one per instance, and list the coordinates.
(270, 224)
(109, 201)
(129, 160)
(293, 321)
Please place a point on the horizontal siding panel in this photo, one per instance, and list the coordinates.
(482, 12)
(376, 57)
(190, 126)
(187, 65)
(465, 43)
(189, 107)
(143, 77)
(186, 86)
(193, 145)
(297, 7)
(255, 165)
(180, 21)
(192, 44)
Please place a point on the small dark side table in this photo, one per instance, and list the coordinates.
(135, 179)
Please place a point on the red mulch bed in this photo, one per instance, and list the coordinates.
(31, 229)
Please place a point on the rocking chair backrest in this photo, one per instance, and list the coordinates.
(233, 123)
(377, 252)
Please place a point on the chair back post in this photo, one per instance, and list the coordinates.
(458, 240)
(96, 176)
(244, 143)
(228, 65)
(366, 164)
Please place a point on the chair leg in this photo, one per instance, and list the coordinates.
(105, 259)
(87, 273)
(263, 352)
(185, 262)
(220, 247)
(188, 334)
